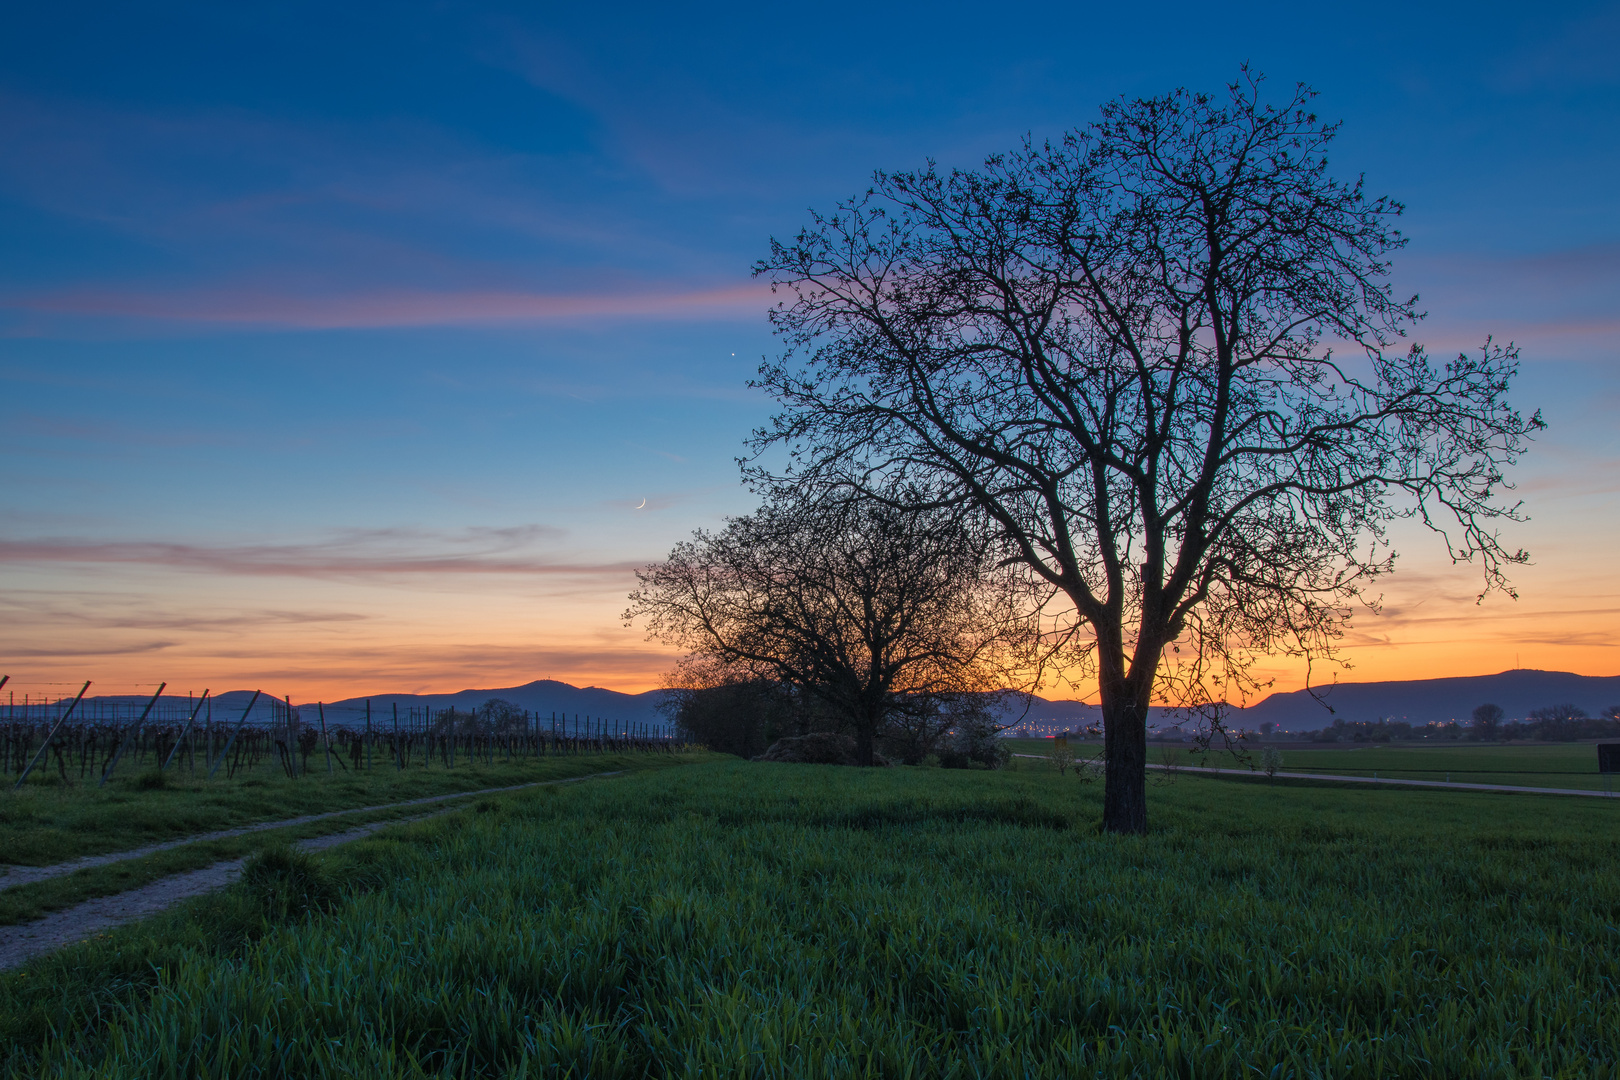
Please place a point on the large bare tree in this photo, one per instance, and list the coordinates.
(1162, 356)
(873, 609)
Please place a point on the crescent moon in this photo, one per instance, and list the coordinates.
(643, 503)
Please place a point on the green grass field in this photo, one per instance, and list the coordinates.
(44, 824)
(731, 919)
(1556, 765)
(47, 822)
(1559, 765)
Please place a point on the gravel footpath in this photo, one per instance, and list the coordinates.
(19, 944)
(12, 876)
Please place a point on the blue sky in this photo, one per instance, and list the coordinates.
(340, 343)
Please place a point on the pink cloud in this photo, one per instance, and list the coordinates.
(390, 308)
(334, 559)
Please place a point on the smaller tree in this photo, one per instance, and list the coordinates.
(918, 727)
(874, 611)
(1559, 723)
(1270, 761)
(1487, 721)
(972, 740)
(497, 716)
(1061, 754)
(730, 710)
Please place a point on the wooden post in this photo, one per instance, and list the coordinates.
(254, 700)
(399, 761)
(321, 709)
(182, 736)
(368, 734)
(50, 734)
(134, 730)
(292, 739)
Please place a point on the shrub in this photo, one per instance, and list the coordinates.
(152, 780)
(289, 883)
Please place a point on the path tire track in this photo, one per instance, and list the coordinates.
(20, 944)
(12, 876)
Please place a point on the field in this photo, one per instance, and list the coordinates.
(47, 822)
(1550, 765)
(732, 919)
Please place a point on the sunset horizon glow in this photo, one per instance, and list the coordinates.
(372, 351)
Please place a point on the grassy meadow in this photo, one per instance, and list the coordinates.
(46, 823)
(1553, 765)
(734, 919)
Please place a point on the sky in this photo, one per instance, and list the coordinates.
(352, 348)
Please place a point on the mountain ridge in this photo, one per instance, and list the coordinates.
(1416, 701)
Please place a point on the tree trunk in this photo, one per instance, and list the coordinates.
(1125, 747)
(863, 744)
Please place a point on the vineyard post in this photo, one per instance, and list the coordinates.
(182, 736)
(238, 730)
(368, 734)
(399, 762)
(49, 735)
(321, 710)
(133, 732)
(292, 738)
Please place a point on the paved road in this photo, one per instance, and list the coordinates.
(1384, 781)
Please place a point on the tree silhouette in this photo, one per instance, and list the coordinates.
(878, 612)
(1160, 356)
(1488, 721)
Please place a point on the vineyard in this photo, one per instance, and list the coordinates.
(76, 741)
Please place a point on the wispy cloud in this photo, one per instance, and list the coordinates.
(399, 308)
(48, 652)
(118, 613)
(372, 554)
(1561, 296)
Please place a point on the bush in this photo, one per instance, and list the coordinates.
(289, 884)
(974, 744)
(152, 780)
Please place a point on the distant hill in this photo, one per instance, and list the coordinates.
(543, 697)
(1421, 701)
(1417, 701)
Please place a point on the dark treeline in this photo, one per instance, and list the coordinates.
(744, 717)
(1555, 723)
(107, 740)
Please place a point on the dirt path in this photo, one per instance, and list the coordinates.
(12, 876)
(20, 944)
(1384, 781)
(1381, 781)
